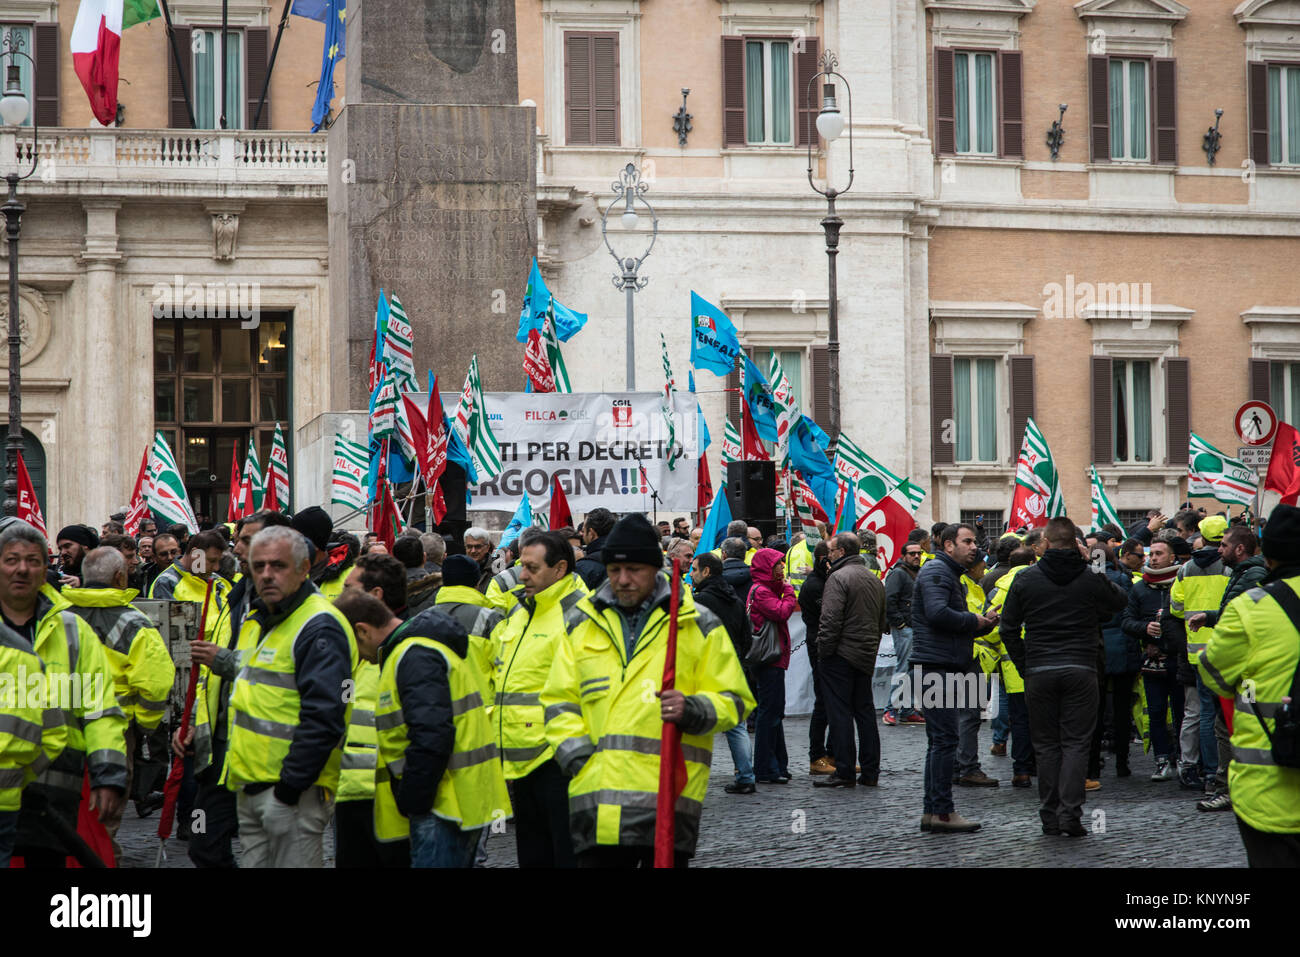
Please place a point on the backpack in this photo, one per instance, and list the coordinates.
(1284, 739)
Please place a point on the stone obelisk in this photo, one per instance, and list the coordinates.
(432, 191)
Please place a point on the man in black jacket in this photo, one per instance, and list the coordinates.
(1061, 606)
(734, 569)
(898, 612)
(810, 610)
(591, 567)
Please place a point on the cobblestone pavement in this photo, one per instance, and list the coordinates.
(1135, 822)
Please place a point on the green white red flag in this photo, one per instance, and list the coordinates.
(666, 406)
(1038, 484)
(1211, 472)
(138, 510)
(96, 43)
(891, 520)
(472, 424)
(164, 490)
(399, 343)
(731, 450)
(1103, 512)
(553, 355)
(351, 463)
(277, 473)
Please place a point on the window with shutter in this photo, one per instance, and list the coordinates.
(821, 386)
(945, 121)
(1011, 98)
(1166, 110)
(942, 446)
(733, 91)
(733, 397)
(210, 73)
(809, 94)
(1099, 107)
(1102, 448)
(46, 54)
(178, 82)
(591, 89)
(256, 41)
(1177, 409)
(1257, 82)
(975, 102)
(1020, 373)
(1283, 100)
(1260, 380)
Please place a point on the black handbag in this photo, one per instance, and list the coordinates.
(766, 646)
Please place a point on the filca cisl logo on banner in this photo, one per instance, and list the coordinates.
(556, 415)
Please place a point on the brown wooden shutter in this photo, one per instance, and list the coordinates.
(604, 90)
(1177, 410)
(941, 411)
(1099, 107)
(1011, 98)
(1261, 380)
(1103, 442)
(733, 91)
(945, 99)
(256, 52)
(45, 47)
(821, 384)
(178, 116)
(577, 89)
(1257, 82)
(805, 68)
(1166, 119)
(1020, 375)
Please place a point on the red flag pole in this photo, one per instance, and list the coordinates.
(172, 789)
(672, 765)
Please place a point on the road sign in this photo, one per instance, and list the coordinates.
(1256, 456)
(1255, 423)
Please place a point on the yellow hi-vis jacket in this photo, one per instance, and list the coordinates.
(1198, 589)
(81, 684)
(33, 731)
(176, 584)
(472, 790)
(990, 650)
(525, 643)
(604, 721)
(357, 770)
(798, 565)
(470, 607)
(331, 588)
(1252, 656)
(264, 702)
(143, 672)
(501, 590)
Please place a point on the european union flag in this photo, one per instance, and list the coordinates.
(332, 13)
(537, 299)
(714, 342)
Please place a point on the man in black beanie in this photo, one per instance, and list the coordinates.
(614, 652)
(73, 542)
(328, 571)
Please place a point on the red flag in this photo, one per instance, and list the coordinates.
(233, 506)
(245, 508)
(537, 365)
(436, 438)
(29, 509)
(384, 519)
(137, 511)
(1284, 466)
(751, 444)
(419, 433)
(704, 483)
(672, 763)
(560, 516)
(891, 519)
(269, 502)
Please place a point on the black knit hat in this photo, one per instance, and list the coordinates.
(1181, 548)
(315, 525)
(461, 570)
(635, 541)
(1281, 538)
(80, 534)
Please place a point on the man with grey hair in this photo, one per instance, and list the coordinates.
(41, 620)
(680, 548)
(735, 570)
(478, 546)
(137, 656)
(289, 707)
(435, 550)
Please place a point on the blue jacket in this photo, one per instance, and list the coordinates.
(1123, 653)
(943, 631)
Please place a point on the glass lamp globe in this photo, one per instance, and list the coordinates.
(830, 124)
(629, 218)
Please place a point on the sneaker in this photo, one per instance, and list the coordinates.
(739, 788)
(999, 749)
(1190, 779)
(822, 766)
(1164, 770)
(914, 717)
(1218, 802)
(977, 780)
(952, 823)
(890, 717)
(1022, 781)
(1092, 784)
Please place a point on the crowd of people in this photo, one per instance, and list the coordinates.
(414, 695)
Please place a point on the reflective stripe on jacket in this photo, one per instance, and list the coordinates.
(990, 650)
(357, 770)
(33, 730)
(1197, 589)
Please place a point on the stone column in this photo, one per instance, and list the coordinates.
(92, 440)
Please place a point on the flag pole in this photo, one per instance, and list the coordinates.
(225, 85)
(266, 83)
(671, 763)
(176, 56)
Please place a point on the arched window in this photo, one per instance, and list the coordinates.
(34, 459)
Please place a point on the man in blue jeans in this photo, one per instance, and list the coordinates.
(436, 842)
(899, 585)
(943, 634)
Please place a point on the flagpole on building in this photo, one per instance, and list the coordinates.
(176, 56)
(225, 81)
(266, 83)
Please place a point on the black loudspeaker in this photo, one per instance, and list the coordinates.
(452, 483)
(751, 494)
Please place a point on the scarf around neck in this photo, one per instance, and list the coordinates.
(1159, 576)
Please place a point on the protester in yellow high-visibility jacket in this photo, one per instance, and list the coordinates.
(186, 579)
(992, 655)
(525, 643)
(605, 708)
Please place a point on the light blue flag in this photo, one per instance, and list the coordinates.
(522, 518)
(537, 299)
(808, 456)
(715, 527)
(849, 516)
(319, 10)
(705, 439)
(715, 345)
(758, 397)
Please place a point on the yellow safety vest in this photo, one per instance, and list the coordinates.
(798, 565)
(525, 645)
(470, 607)
(331, 588)
(1197, 589)
(357, 771)
(500, 590)
(33, 730)
(143, 672)
(601, 709)
(991, 650)
(1253, 654)
(749, 555)
(264, 702)
(472, 792)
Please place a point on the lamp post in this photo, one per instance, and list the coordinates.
(13, 111)
(629, 189)
(830, 125)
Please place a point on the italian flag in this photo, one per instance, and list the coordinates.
(96, 38)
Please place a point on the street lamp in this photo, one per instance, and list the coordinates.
(13, 111)
(629, 190)
(830, 125)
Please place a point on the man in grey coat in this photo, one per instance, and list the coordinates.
(852, 620)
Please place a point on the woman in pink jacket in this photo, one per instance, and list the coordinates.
(771, 599)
